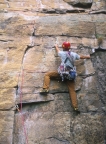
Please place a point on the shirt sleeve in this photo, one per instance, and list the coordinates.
(60, 53)
(77, 57)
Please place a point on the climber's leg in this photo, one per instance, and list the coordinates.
(71, 87)
(47, 77)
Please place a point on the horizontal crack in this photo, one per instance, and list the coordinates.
(87, 75)
(5, 40)
(98, 12)
(62, 140)
(35, 102)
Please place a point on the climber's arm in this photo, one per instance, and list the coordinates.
(57, 49)
(84, 56)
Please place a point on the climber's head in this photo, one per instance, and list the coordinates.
(66, 46)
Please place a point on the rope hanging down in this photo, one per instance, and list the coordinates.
(17, 107)
(20, 110)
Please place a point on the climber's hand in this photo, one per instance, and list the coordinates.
(56, 47)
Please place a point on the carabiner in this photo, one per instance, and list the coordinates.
(17, 107)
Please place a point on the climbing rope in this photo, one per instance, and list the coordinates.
(20, 109)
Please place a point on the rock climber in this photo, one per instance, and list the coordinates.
(54, 74)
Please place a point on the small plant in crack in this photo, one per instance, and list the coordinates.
(99, 40)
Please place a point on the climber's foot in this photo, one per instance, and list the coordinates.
(44, 91)
(76, 111)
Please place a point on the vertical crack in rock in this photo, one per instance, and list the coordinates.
(19, 87)
(31, 45)
(99, 64)
(51, 117)
(6, 1)
(13, 130)
(95, 30)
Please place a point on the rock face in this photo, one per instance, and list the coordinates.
(28, 33)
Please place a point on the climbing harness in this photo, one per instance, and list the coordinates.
(67, 72)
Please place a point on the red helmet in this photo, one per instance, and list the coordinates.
(66, 45)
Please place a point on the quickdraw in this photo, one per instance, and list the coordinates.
(17, 108)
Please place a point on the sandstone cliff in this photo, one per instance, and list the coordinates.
(28, 32)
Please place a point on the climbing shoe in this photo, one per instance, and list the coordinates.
(44, 91)
(76, 111)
